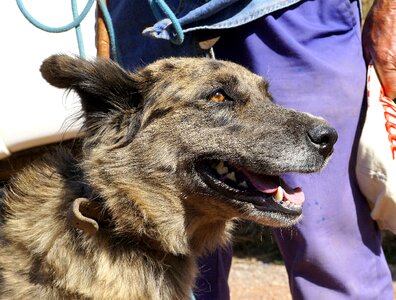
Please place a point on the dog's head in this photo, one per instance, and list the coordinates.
(198, 136)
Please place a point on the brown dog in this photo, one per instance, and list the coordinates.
(170, 155)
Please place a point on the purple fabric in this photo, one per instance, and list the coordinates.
(213, 280)
(311, 54)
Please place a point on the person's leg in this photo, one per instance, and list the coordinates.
(312, 57)
(213, 276)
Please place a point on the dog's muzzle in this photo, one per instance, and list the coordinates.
(265, 192)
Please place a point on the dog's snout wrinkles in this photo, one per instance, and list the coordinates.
(323, 137)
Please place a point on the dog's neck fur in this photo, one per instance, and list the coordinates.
(133, 251)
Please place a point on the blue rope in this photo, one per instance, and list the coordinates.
(80, 41)
(77, 19)
(158, 7)
(67, 27)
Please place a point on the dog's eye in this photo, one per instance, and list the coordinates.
(218, 96)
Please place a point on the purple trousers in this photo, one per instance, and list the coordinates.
(311, 55)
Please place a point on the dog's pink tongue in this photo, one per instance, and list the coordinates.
(269, 185)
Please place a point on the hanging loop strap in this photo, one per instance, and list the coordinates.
(160, 9)
(67, 27)
(77, 19)
(80, 40)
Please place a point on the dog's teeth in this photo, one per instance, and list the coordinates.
(231, 176)
(221, 169)
(279, 194)
(243, 184)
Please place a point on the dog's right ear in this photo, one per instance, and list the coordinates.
(102, 85)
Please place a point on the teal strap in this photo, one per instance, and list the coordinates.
(67, 27)
(80, 41)
(77, 19)
(160, 8)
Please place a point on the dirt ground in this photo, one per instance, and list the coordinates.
(251, 279)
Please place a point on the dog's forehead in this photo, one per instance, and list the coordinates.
(206, 70)
(201, 65)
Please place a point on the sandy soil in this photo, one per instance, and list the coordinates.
(254, 280)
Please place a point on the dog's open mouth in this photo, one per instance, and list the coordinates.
(265, 192)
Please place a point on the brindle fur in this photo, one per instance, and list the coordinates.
(143, 133)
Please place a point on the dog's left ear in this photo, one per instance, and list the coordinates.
(102, 85)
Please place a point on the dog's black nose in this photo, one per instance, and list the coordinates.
(323, 137)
